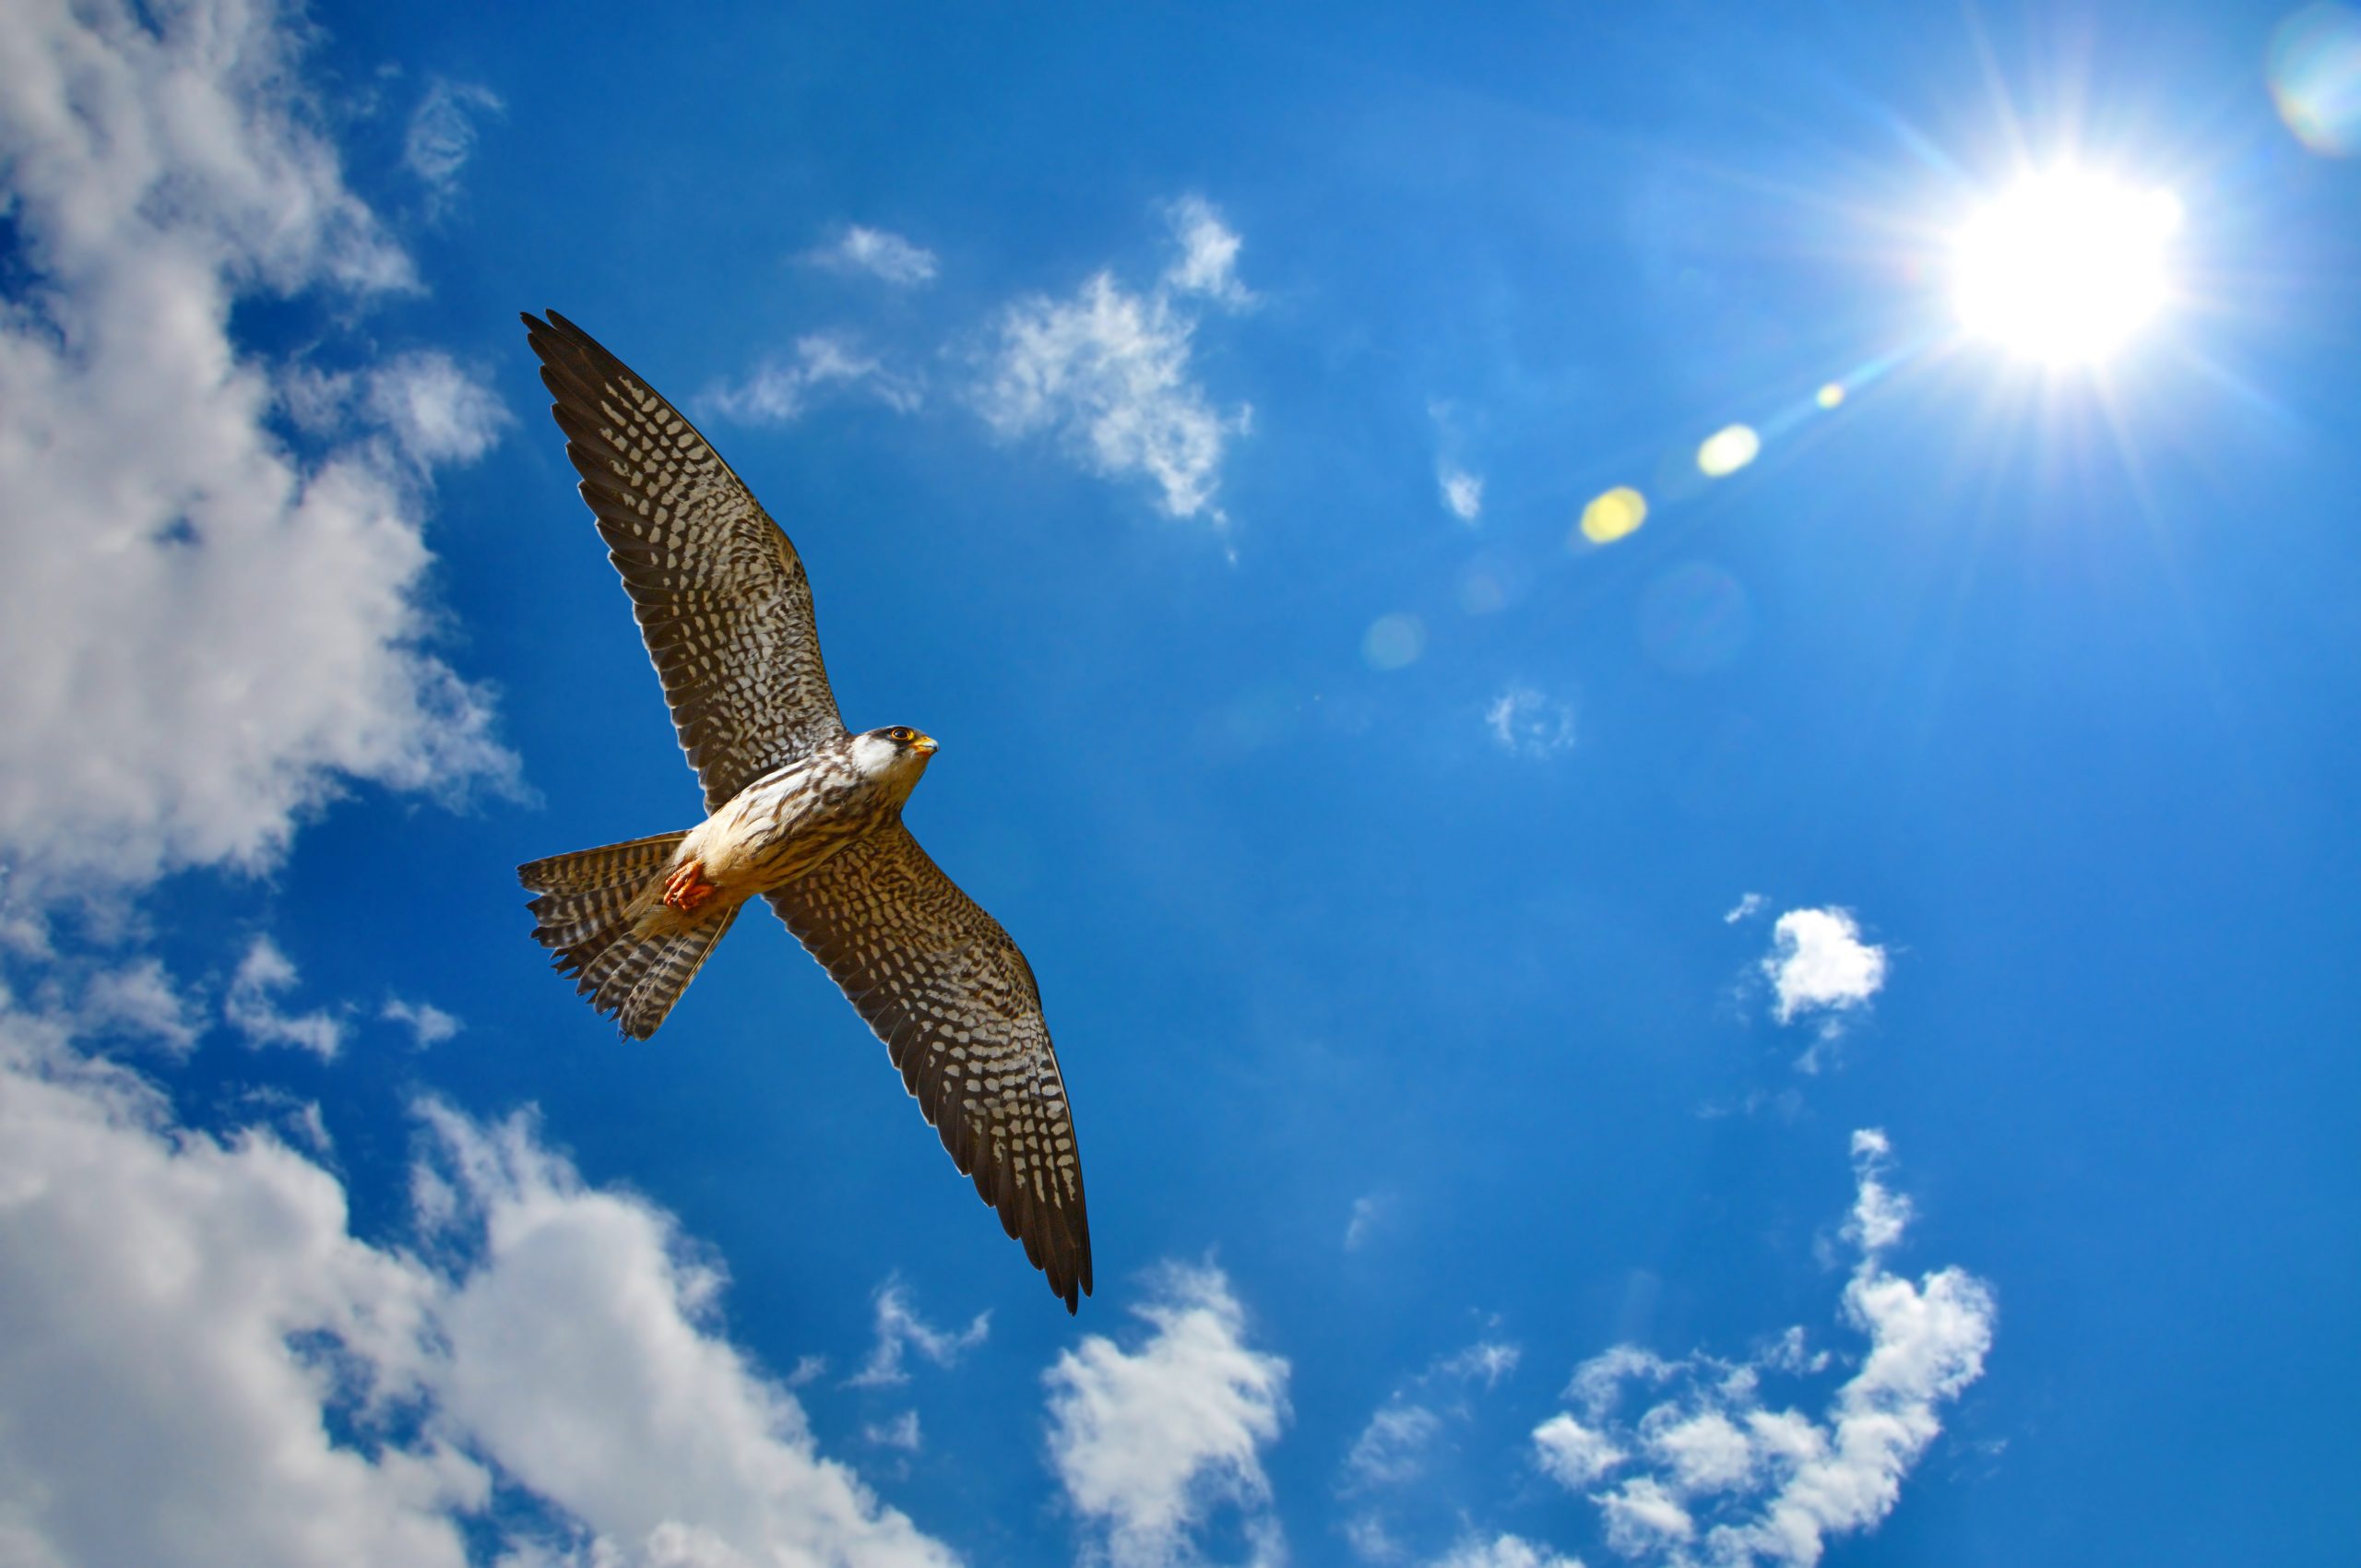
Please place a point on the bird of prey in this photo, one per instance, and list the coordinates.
(799, 810)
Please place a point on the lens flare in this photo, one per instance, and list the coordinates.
(2314, 68)
(1726, 451)
(2066, 266)
(1611, 517)
(1831, 394)
(1695, 618)
(1394, 641)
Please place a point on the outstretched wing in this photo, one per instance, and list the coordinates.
(719, 592)
(953, 998)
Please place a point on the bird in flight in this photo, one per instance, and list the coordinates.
(799, 811)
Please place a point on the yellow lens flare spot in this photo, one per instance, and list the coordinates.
(1394, 641)
(1726, 451)
(1831, 394)
(2065, 267)
(1618, 512)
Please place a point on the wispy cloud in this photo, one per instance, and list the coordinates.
(1149, 1442)
(1463, 492)
(1208, 260)
(1393, 1454)
(901, 1432)
(252, 1005)
(876, 253)
(428, 1024)
(900, 1329)
(1505, 1551)
(1712, 1472)
(436, 412)
(1109, 372)
(1746, 908)
(1525, 722)
(1369, 1211)
(1393, 1447)
(1461, 488)
(140, 997)
(1489, 1359)
(823, 364)
(442, 135)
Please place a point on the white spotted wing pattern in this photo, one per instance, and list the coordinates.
(953, 998)
(719, 592)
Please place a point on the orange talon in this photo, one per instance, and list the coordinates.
(686, 888)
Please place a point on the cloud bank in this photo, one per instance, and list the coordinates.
(209, 631)
(201, 1330)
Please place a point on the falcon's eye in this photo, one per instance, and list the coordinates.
(900, 734)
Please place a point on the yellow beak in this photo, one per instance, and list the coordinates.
(925, 745)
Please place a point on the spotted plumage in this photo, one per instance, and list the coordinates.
(798, 810)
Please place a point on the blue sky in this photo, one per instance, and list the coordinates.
(1816, 1027)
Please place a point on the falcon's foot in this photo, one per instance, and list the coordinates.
(686, 888)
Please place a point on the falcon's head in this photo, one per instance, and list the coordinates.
(893, 756)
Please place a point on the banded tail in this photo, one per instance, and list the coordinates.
(603, 911)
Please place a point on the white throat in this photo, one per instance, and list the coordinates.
(894, 769)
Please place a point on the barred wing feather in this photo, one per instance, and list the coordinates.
(955, 1001)
(719, 592)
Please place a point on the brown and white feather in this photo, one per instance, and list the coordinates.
(726, 612)
(719, 591)
(955, 1001)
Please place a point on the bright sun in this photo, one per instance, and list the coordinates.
(2066, 267)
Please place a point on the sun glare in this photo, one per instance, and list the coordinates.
(2065, 267)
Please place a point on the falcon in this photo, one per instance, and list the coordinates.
(799, 811)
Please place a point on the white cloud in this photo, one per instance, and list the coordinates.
(1461, 489)
(1208, 261)
(1463, 492)
(1818, 963)
(1703, 1450)
(900, 1328)
(436, 412)
(1573, 1453)
(139, 999)
(1367, 1211)
(206, 634)
(1642, 1518)
(1526, 723)
(582, 1356)
(1487, 1359)
(878, 254)
(1714, 1474)
(428, 1024)
(1395, 1449)
(251, 1006)
(1392, 1448)
(184, 1316)
(901, 1432)
(1746, 908)
(442, 135)
(1505, 1551)
(781, 391)
(1109, 372)
(193, 1325)
(1149, 1442)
